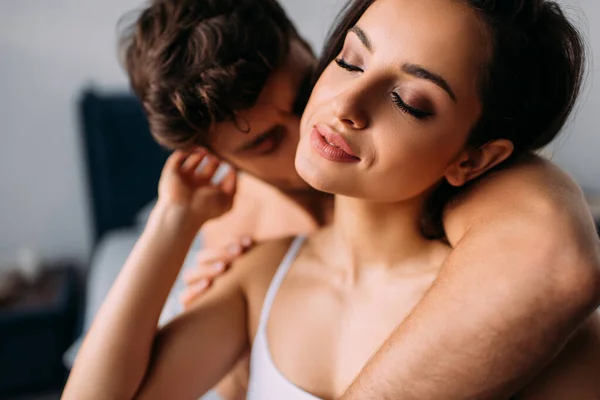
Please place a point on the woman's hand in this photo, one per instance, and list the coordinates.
(122, 342)
(186, 185)
(211, 264)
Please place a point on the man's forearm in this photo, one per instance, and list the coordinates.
(489, 322)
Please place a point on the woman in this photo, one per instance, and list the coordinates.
(416, 97)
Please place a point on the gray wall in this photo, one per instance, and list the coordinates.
(578, 149)
(49, 50)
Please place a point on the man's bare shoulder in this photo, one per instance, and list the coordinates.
(533, 205)
(531, 187)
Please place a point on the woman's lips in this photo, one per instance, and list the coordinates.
(332, 146)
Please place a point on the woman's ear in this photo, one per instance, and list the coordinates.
(473, 162)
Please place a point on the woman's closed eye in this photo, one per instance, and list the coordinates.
(396, 98)
(347, 66)
(415, 112)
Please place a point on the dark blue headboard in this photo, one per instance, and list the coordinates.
(124, 162)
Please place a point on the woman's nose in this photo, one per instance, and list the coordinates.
(349, 108)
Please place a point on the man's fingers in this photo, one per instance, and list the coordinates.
(193, 292)
(226, 254)
(204, 271)
(247, 242)
(211, 256)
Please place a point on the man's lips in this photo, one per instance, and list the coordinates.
(335, 140)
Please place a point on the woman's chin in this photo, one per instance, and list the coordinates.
(320, 177)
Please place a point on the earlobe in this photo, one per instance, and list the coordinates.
(472, 163)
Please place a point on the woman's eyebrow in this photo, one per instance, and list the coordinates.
(362, 36)
(411, 69)
(419, 72)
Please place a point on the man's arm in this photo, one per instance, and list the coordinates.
(524, 274)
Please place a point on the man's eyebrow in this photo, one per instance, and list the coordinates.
(420, 72)
(250, 143)
(362, 36)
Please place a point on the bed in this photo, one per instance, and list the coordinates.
(123, 167)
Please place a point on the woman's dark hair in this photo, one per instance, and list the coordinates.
(194, 63)
(528, 86)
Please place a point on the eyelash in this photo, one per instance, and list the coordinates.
(418, 114)
(348, 67)
(275, 137)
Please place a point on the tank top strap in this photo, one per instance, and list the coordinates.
(278, 278)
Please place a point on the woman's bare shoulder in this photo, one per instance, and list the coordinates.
(257, 267)
(256, 270)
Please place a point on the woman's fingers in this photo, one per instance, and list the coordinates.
(192, 161)
(229, 183)
(175, 160)
(205, 171)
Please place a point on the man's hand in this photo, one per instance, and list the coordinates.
(211, 264)
(186, 184)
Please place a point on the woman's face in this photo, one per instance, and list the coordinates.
(392, 113)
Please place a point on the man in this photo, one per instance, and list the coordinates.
(232, 75)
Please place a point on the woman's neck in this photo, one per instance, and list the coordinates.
(377, 235)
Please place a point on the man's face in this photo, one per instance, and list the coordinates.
(263, 140)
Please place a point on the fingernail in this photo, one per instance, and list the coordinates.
(246, 241)
(200, 168)
(218, 266)
(183, 299)
(200, 286)
(235, 249)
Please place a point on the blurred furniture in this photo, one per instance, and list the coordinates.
(123, 160)
(36, 326)
(123, 168)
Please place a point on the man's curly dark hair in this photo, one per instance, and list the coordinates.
(194, 63)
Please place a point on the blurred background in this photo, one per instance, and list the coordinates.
(53, 52)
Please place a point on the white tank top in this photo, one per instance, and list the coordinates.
(266, 381)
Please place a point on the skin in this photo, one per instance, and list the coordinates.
(265, 150)
(382, 266)
(477, 225)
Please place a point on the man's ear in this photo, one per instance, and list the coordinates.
(473, 162)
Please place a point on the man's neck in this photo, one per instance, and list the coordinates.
(318, 205)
